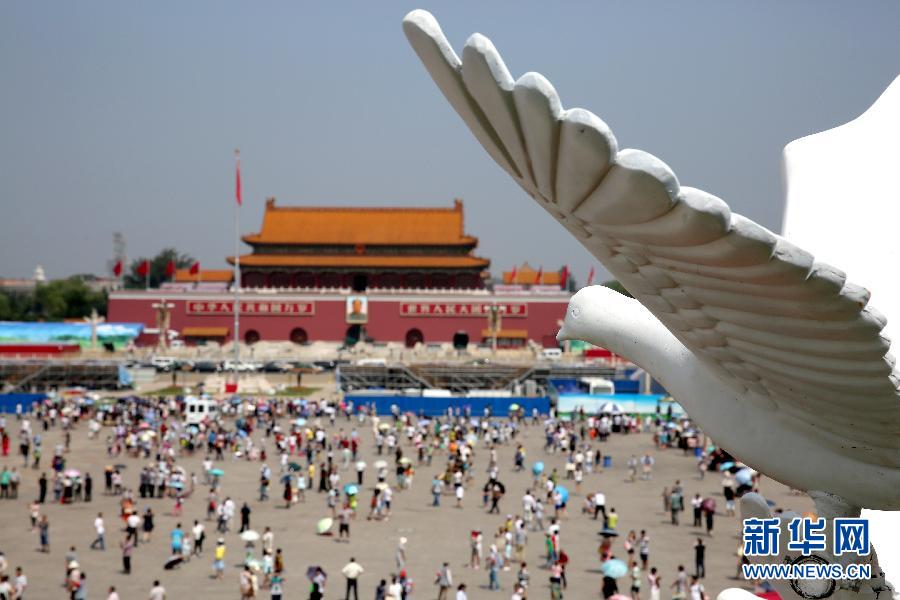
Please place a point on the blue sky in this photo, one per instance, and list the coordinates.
(124, 116)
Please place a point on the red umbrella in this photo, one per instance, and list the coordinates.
(709, 505)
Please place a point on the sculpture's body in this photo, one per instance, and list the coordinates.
(776, 356)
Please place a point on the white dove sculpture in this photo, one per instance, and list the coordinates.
(775, 355)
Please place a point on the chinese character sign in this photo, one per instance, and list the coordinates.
(761, 537)
(806, 535)
(851, 536)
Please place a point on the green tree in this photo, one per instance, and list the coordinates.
(158, 266)
(615, 285)
(65, 299)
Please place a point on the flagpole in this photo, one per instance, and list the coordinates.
(237, 263)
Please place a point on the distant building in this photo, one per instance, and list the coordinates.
(405, 275)
(362, 248)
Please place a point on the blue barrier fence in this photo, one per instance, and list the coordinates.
(432, 407)
(8, 402)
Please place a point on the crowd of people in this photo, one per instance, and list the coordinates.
(312, 449)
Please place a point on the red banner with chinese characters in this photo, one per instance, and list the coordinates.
(253, 307)
(461, 309)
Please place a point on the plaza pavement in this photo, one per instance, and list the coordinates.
(435, 534)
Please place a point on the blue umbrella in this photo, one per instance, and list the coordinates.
(537, 468)
(563, 493)
(726, 465)
(614, 568)
(300, 422)
(743, 477)
(350, 489)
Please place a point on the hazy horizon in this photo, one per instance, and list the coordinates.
(124, 117)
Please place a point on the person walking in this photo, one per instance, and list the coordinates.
(245, 518)
(177, 537)
(698, 592)
(676, 505)
(344, 522)
(444, 582)
(127, 550)
(44, 533)
(697, 505)
(699, 559)
(709, 510)
(198, 532)
(20, 584)
(42, 488)
(157, 592)
(644, 549)
(219, 559)
(352, 570)
(99, 542)
(461, 592)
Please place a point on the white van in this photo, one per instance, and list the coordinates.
(551, 354)
(197, 409)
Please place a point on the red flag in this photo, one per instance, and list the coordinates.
(170, 268)
(514, 274)
(564, 277)
(195, 268)
(117, 268)
(591, 276)
(237, 179)
(540, 276)
(144, 268)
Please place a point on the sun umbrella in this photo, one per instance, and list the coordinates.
(619, 597)
(384, 426)
(726, 465)
(250, 536)
(405, 460)
(300, 422)
(294, 467)
(72, 473)
(216, 472)
(743, 477)
(360, 465)
(563, 493)
(380, 464)
(381, 486)
(350, 489)
(613, 408)
(144, 425)
(324, 525)
(608, 533)
(614, 568)
(537, 468)
(311, 572)
(514, 407)
(709, 505)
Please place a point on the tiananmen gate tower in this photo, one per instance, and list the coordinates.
(346, 274)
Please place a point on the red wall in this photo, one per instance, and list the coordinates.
(328, 323)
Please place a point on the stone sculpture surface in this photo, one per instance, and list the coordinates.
(777, 356)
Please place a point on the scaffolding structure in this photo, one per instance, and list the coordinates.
(462, 378)
(45, 375)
